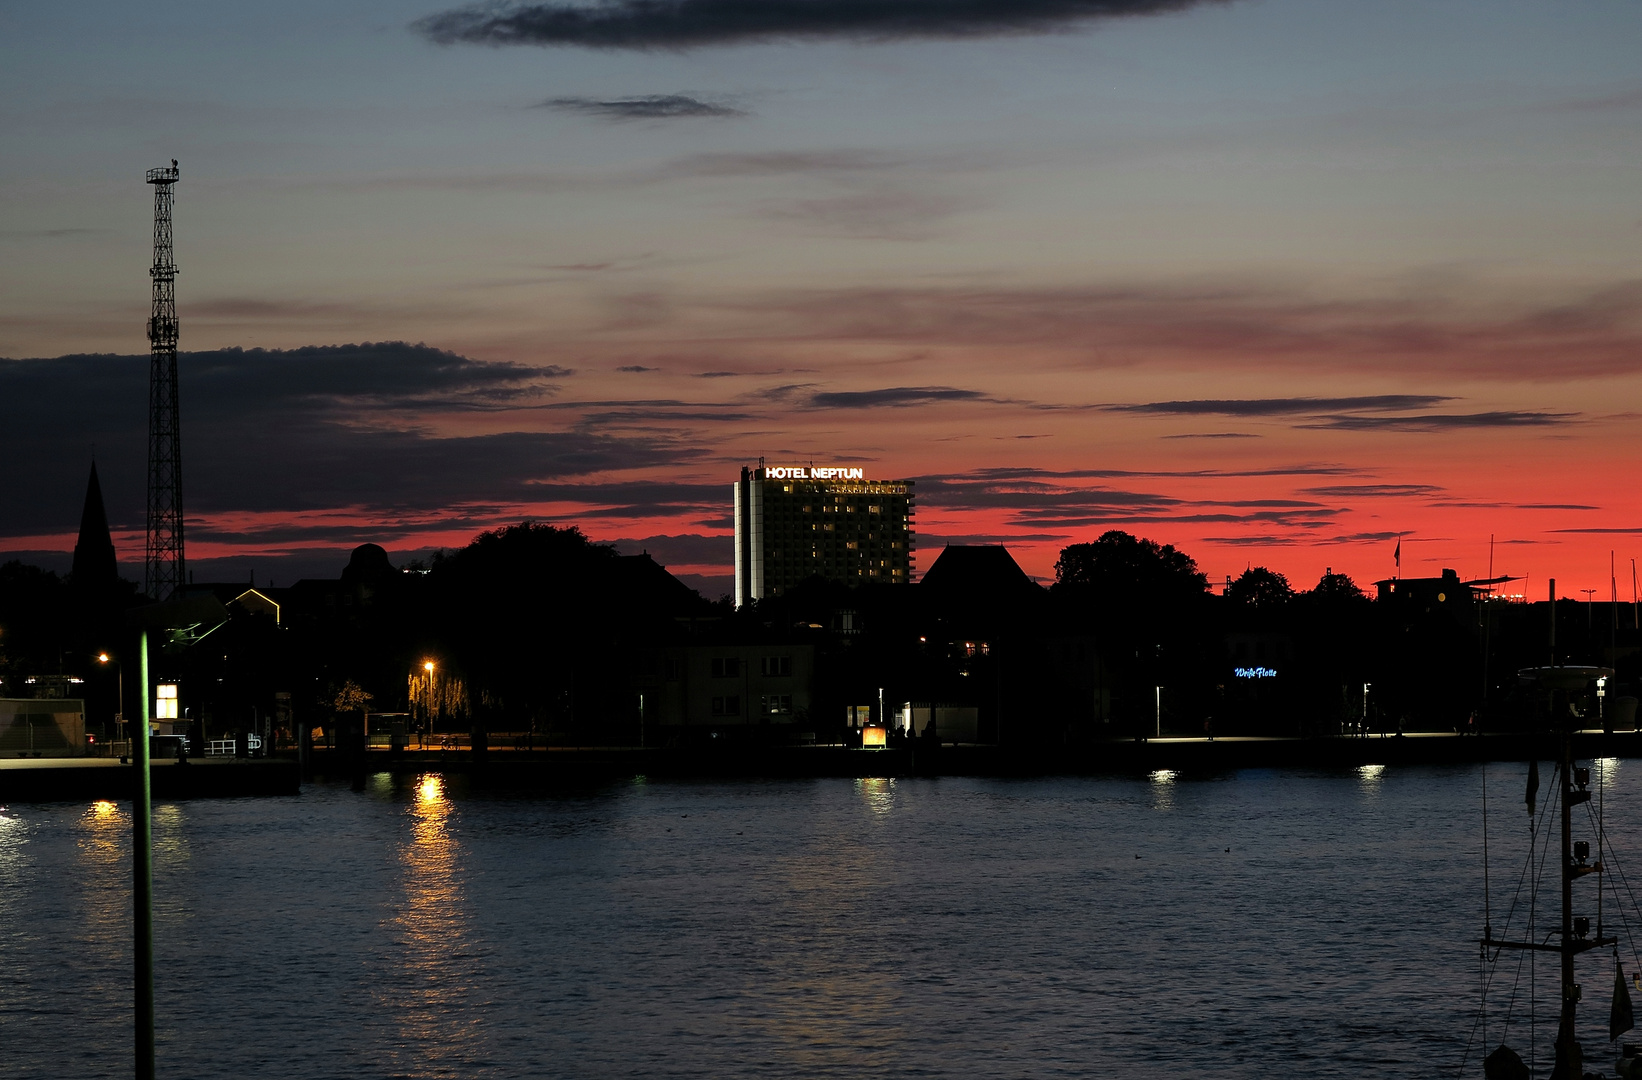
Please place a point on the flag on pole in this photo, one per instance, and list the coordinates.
(1621, 1017)
(1398, 554)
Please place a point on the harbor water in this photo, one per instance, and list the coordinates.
(1252, 924)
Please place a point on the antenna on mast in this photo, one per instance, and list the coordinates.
(163, 566)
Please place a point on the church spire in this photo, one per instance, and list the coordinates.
(94, 562)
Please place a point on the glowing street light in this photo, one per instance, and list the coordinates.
(119, 706)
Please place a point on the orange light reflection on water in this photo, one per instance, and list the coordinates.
(433, 990)
(105, 887)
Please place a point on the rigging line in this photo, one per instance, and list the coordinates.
(1545, 817)
(1487, 917)
(1533, 907)
(1511, 1005)
(1601, 838)
(1626, 882)
(1533, 879)
(1487, 904)
(1516, 895)
(1471, 1037)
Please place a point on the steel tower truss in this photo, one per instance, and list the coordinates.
(163, 574)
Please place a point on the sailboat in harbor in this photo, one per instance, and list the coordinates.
(1572, 935)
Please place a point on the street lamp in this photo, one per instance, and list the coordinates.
(119, 705)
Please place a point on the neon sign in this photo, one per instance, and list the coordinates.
(799, 472)
(1255, 672)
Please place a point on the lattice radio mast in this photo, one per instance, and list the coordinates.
(163, 575)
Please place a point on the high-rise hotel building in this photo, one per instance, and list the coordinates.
(793, 522)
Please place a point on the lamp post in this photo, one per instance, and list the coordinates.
(142, 872)
(179, 623)
(119, 705)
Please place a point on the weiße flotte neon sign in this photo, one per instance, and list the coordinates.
(798, 472)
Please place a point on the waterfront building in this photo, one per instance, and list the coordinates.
(727, 688)
(794, 522)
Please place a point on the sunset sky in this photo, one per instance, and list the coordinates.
(1270, 280)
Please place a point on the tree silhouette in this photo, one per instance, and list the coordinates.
(1147, 606)
(1120, 568)
(1260, 588)
(1337, 588)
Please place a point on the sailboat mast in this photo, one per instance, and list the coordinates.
(1570, 989)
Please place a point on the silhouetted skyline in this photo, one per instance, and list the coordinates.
(1274, 282)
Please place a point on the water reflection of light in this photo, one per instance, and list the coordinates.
(430, 791)
(11, 845)
(431, 997)
(104, 892)
(1370, 776)
(1162, 781)
(849, 1014)
(879, 793)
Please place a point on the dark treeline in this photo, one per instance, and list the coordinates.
(534, 631)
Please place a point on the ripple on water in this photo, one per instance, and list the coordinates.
(1260, 924)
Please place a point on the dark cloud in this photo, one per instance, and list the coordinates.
(1470, 328)
(893, 397)
(1289, 406)
(1375, 491)
(1213, 435)
(686, 549)
(650, 107)
(1616, 532)
(929, 541)
(295, 432)
(1039, 499)
(689, 24)
(996, 475)
(635, 369)
(1440, 421)
(636, 498)
(1309, 539)
(1309, 519)
(1035, 499)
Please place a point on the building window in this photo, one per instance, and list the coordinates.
(726, 667)
(776, 666)
(776, 705)
(727, 706)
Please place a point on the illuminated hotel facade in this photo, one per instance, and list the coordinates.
(793, 522)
